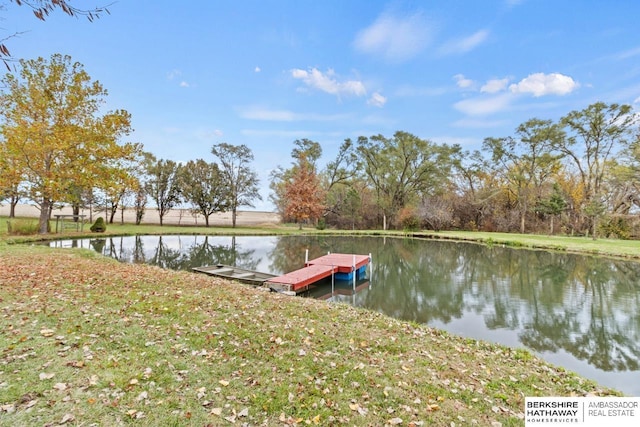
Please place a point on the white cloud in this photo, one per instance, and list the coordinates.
(494, 85)
(327, 82)
(184, 84)
(540, 84)
(395, 38)
(464, 44)
(628, 53)
(377, 100)
(173, 74)
(409, 90)
(257, 69)
(637, 100)
(266, 114)
(258, 113)
(485, 105)
(478, 123)
(462, 82)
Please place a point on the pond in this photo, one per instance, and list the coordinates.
(579, 312)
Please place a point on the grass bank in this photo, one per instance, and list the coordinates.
(628, 249)
(89, 341)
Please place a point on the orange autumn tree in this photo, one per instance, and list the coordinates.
(303, 194)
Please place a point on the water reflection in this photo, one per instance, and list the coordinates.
(581, 312)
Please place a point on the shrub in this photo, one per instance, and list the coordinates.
(322, 224)
(99, 226)
(616, 227)
(22, 227)
(408, 219)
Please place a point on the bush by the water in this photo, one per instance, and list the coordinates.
(99, 226)
(23, 227)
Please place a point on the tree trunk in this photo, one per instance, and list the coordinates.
(234, 213)
(551, 229)
(113, 209)
(43, 222)
(12, 206)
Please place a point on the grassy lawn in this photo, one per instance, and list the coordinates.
(89, 341)
(606, 247)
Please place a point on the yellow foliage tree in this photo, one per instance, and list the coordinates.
(53, 130)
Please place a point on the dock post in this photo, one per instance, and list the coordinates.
(333, 272)
(355, 273)
(370, 270)
(306, 257)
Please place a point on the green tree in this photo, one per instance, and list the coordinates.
(54, 133)
(403, 169)
(525, 162)
(553, 205)
(338, 177)
(240, 180)
(203, 186)
(307, 151)
(162, 184)
(596, 134)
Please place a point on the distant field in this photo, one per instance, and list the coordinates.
(174, 217)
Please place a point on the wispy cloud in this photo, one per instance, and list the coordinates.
(471, 123)
(462, 82)
(540, 84)
(328, 82)
(484, 105)
(630, 53)
(267, 114)
(377, 100)
(410, 90)
(173, 74)
(395, 38)
(494, 85)
(465, 44)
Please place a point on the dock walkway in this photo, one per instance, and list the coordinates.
(342, 266)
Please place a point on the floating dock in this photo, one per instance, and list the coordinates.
(340, 266)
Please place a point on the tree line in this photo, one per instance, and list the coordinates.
(577, 175)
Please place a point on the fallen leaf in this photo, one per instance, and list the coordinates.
(47, 332)
(244, 413)
(216, 411)
(45, 376)
(395, 421)
(60, 386)
(224, 382)
(67, 418)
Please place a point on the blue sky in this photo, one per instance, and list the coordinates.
(265, 73)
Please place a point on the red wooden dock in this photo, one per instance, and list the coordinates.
(318, 269)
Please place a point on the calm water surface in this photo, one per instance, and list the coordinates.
(579, 312)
